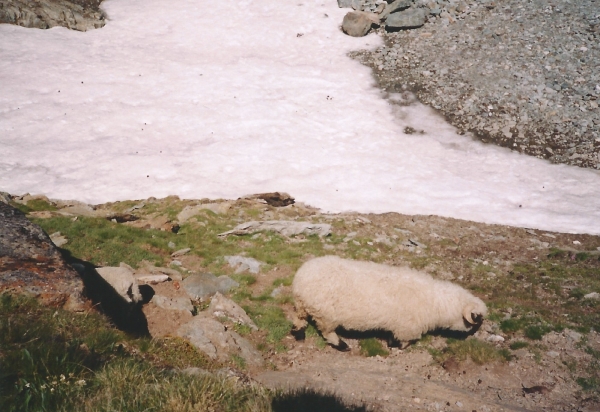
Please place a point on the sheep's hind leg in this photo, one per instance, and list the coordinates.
(331, 337)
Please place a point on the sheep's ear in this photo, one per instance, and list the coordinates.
(471, 316)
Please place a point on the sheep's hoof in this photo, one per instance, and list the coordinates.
(342, 346)
(298, 334)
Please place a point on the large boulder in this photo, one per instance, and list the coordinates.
(45, 14)
(358, 23)
(30, 263)
(213, 338)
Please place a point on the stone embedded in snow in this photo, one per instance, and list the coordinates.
(122, 281)
(284, 227)
(203, 285)
(177, 303)
(190, 211)
(152, 279)
(212, 338)
(345, 4)
(275, 199)
(358, 23)
(406, 19)
(242, 264)
(593, 295)
(220, 306)
(47, 14)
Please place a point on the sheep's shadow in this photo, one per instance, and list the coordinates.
(385, 335)
(306, 399)
(125, 315)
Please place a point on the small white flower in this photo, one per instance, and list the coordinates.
(80, 382)
(28, 385)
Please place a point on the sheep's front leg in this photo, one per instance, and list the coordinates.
(300, 323)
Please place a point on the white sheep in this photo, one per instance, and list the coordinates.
(366, 296)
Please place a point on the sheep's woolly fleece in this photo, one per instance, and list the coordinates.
(369, 296)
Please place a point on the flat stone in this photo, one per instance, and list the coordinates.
(593, 295)
(152, 279)
(177, 303)
(284, 227)
(408, 19)
(181, 252)
(243, 264)
(201, 286)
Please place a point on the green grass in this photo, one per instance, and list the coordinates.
(478, 351)
(106, 243)
(372, 347)
(54, 360)
(271, 319)
(518, 345)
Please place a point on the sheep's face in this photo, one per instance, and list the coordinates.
(473, 314)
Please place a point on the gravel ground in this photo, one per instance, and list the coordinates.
(520, 74)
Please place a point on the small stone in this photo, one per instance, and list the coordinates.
(593, 295)
(459, 404)
(495, 338)
(152, 279)
(553, 354)
(180, 252)
(358, 23)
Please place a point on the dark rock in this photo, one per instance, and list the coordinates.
(275, 199)
(406, 19)
(31, 264)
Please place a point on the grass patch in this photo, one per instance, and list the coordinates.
(54, 360)
(478, 351)
(372, 347)
(34, 205)
(537, 332)
(106, 243)
(518, 345)
(271, 319)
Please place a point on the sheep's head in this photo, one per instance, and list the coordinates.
(474, 312)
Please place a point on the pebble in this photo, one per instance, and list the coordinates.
(505, 74)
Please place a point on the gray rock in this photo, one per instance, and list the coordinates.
(180, 252)
(243, 264)
(212, 338)
(220, 306)
(396, 6)
(572, 335)
(593, 295)
(50, 13)
(358, 23)
(406, 19)
(179, 303)
(152, 279)
(284, 227)
(203, 285)
(345, 4)
(122, 281)
(58, 239)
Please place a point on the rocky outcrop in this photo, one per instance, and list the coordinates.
(81, 15)
(30, 263)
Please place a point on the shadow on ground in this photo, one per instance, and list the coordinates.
(303, 400)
